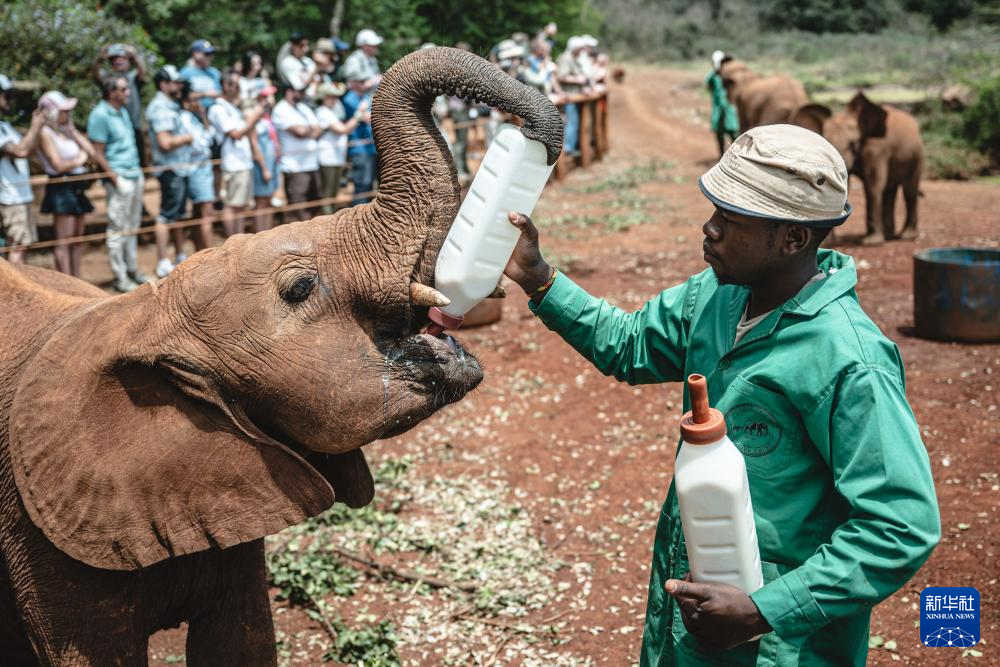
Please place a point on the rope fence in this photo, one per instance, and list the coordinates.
(593, 144)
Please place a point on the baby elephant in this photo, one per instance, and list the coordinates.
(149, 441)
(882, 145)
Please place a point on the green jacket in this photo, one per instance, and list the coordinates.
(723, 113)
(814, 397)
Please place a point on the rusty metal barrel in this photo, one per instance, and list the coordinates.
(956, 294)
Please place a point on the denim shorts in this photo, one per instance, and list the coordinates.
(201, 184)
(173, 196)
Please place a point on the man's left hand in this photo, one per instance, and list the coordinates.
(719, 616)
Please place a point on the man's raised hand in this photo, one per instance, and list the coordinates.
(526, 267)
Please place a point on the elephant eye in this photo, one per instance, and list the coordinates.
(299, 290)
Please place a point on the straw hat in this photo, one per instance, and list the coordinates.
(783, 173)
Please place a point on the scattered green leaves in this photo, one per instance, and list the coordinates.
(306, 575)
(372, 644)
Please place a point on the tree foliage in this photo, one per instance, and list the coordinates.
(828, 15)
(235, 25)
(53, 43)
(980, 118)
(942, 13)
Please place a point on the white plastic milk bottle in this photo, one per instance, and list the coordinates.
(481, 240)
(713, 493)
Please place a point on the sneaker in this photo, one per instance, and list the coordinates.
(125, 285)
(163, 268)
(139, 278)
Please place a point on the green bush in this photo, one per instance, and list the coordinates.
(52, 44)
(827, 15)
(942, 13)
(981, 119)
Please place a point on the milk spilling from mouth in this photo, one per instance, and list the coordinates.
(481, 240)
(713, 494)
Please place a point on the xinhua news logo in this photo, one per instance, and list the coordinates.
(949, 616)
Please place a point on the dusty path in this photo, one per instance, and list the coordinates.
(589, 460)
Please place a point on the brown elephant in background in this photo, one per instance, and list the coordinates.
(761, 100)
(149, 441)
(882, 145)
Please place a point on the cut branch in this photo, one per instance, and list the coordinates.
(389, 572)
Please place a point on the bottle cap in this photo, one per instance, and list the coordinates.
(703, 425)
(443, 320)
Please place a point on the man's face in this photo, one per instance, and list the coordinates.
(299, 49)
(171, 89)
(201, 59)
(742, 250)
(119, 64)
(370, 49)
(119, 93)
(294, 96)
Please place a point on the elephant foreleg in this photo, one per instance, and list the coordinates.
(911, 194)
(874, 179)
(889, 211)
(237, 628)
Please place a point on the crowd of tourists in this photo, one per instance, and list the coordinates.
(244, 139)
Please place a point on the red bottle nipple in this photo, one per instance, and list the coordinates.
(703, 424)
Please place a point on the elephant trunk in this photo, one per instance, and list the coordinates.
(419, 193)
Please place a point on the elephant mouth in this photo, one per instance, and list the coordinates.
(435, 371)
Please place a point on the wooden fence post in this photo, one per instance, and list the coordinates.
(585, 143)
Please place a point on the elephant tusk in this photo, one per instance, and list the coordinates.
(422, 295)
(498, 293)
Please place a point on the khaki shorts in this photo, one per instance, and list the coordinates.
(239, 187)
(17, 225)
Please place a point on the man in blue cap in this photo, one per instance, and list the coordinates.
(843, 496)
(206, 81)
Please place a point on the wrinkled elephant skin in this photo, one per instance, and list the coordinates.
(149, 441)
(882, 145)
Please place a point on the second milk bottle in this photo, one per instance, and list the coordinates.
(713, 493)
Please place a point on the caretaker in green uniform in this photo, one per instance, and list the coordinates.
(813, 395)
(724, 120)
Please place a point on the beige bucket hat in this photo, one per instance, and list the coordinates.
(783, 173)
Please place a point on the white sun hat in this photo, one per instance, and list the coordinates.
(368, 37)
(783, 173)
(717, 57)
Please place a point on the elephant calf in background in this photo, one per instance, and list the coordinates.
(761, 100)
(881, 144)
(149, 441)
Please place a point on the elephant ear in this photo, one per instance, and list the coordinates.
(871, 117)
(811, 117)
(121, 469)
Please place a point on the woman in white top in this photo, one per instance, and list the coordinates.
(64, 151)
(333, 141)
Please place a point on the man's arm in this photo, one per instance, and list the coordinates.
(283, 121)
(168, 142)
(866, 432)
(642, 347)
(227, 125)
(137, 62)
(102, 161)
(26, 145)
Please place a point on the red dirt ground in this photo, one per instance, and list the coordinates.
(623, 437)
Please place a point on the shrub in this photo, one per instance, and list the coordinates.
(53, 44)
(979, 119)
(827, 15)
